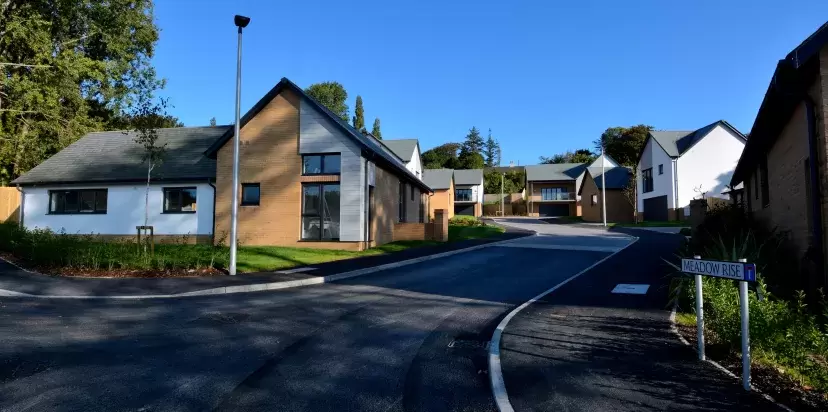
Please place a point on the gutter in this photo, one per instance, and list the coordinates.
(213, 230)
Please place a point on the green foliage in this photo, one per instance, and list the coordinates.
(473, 143)
(491, 151)
(213, 121)
(331, 95)
(463, 220)
(457, 232)
(513, 182)
(578, 156)
(685, 231)
(359, 115)
(68, 68)
(376, 129)
(470, 160)
(624, 144)
(441, 157)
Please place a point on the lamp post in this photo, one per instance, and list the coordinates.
(241, 22)
(502, 197)
(603, 187)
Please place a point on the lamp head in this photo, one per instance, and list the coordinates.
(241, 21)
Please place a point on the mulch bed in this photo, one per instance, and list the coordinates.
(776, 383)
(114, 273)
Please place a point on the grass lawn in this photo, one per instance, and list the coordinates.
(672, 223)
(267, 258)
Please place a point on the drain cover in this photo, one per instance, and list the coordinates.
(469, 344)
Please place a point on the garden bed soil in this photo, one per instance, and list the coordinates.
(776, 383)
(114, 273)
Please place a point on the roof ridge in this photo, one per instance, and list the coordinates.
(161, 128)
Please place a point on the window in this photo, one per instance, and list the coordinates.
(401, 210)
(462, 195)
(647, 180)
(763, 169)
(660, 170)
(320, 211)
(594, 200)
(180, 200)
(328, 164)
(553, 193)
(251, 194)
(77, 201)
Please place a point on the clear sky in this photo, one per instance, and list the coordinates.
(545, 76)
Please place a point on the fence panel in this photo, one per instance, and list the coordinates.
(9, 204)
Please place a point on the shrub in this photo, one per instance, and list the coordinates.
(685, 231)
(462, 220)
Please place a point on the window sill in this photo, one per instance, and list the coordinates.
(178, 213)
(76, 213)
(249, 205)
(318, 240)
(321, 174)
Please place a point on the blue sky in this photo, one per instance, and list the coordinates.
(545, 76)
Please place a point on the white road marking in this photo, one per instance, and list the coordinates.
(564, 247)
(297, 270)
(631, 289)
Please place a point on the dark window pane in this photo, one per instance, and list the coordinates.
(332, 164)
(311, 165)
(310, 200)
(330, 209)
(100, 200)
(57, 201)
(251, 194)
(87, 201)
(70, 201)
(310, 228)
(188, 200)
(172, 203)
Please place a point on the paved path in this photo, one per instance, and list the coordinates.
(381, 342)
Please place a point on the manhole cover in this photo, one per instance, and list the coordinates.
(469, 344)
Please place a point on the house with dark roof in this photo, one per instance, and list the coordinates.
(783, 168)
(408, 150)
(441, 182)
(307, 178)
(611, 181)
(552, 189)
(468, 192)
(675, 167)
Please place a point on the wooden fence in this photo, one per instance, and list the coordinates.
(9, 204)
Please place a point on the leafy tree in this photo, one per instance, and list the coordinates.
(470, 160)
(624, 144)
(66, 68)
(331, 95)
(491, 151)
(376, 129)
(630, 192)
(359, 116)
(441, 157)
(213, 122)
(578, 156)
(513, 182)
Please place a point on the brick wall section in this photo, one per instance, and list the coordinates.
(412, 203)
(441, 224)
(386, 211)
(410, 231)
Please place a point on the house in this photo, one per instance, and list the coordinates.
(441, 181)
(783, 168)
(619, 206)
(552, 189)
(307, 178)
(408, 150)
(468, 192)
(677, 166)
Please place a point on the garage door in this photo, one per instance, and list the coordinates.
(467, 210)
(655, 209)
(554, 209)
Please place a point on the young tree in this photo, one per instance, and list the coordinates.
(359, 116)
(630, 192)
(213, 122)
(491, 151)
(376, 129)
(624, 144)
(331, 95)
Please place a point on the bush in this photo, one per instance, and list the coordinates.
(462, 220)
(685, 231)
(47, 249)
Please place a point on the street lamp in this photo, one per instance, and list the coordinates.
(603, 186)
(241, 22)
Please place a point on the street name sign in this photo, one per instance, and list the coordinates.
(729, 270)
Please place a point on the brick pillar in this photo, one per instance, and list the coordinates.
(440, 225)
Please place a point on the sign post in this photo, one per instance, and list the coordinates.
(743, 272)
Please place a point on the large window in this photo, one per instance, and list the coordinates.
(463, 195)
(86, 201)
(647, 180)
(324, 164)
(320, 211)
(180, 200)
(552, 193)
(251, 194)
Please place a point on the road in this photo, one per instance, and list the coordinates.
(408, 339)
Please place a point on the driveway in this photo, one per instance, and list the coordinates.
(408, 339)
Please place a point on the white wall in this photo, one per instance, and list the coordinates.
(653, 156)
(318, 134)
(709, 164)
(477, 192)
(607, 164)
(415, 165)
(125, 211)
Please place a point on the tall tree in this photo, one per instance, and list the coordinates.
(213, 122)
(471, 156)
(473, 143)
(624, 144)
(441, 157)
(578, 156)
(491, 151)
(66, 68)
(359, 116)
(331, 95)
(376, 129)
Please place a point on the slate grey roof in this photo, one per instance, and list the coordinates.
(114, 157)
(617, 177)
(403, 148)
(675, 143)
(468, 176)
(438, 178)
(559, 171)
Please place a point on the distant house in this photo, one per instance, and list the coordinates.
(468, 192)
(408, 150)
(552, 189)
(307, 178)
(619, 207)
(677, 166)
(441, 181)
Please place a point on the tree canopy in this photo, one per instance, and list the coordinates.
(441, 157)
(578, 156)
(359, 115)
(624, 144)
(331, 95)
(375, 130)
(491, 151)
(513, 181)
(68, 68)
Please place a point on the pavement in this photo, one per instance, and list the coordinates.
(411, 338)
